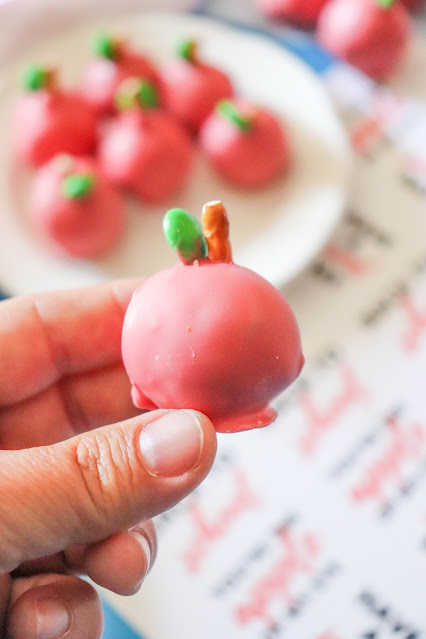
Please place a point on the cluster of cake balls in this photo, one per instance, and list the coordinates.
(372, 35)
(133, 127)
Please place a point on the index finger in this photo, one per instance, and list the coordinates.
(48, 336)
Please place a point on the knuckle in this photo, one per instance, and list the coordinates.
(104, 465)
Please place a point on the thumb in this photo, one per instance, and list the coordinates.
(86, 488)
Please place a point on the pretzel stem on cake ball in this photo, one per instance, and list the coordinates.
(215, 224)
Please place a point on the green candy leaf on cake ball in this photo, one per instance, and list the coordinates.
(228, 110)
(187, 49)
(105, 46)
(147, 95)
(134, 93)
(385, 4)
(77, 185)
(184, 234)
(36, 78)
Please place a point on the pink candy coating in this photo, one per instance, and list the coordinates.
(297, 11)
(102, 77)
(80, 227)
(192, 89)
(147, 152)
(370, 37)
(213, 337)
(413, 5)
(246, 158)
(50, 122)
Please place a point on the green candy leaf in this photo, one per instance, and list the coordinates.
(134, 92)
(105, 46)
(77, 185)
(228, 110)
(147, 95)
(35, 78)
(386, 4)
(187, 50)
(185, 235)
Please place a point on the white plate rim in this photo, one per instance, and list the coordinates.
(345, 156)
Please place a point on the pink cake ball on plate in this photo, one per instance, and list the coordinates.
(208, 334)
(192, 88)
(372, 35)
(413, 5)
(297, 11)
(74, 208)
(245, 144)
(145, 149)
(49, 120)
(115, 61)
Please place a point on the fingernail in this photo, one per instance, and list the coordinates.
(172, 445)
(53, 619)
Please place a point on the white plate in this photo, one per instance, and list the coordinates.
(276, 231)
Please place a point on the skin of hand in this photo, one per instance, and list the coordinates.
(82, 472)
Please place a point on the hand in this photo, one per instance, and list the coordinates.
(73, 498)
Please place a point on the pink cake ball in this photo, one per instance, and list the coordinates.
(145, 149)
(49, 120)
(74, 208)
(208, 334)
(114, 63)
(192, 88)
(372, 35)
(245, 144)
(413, 5)
(297, 11)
